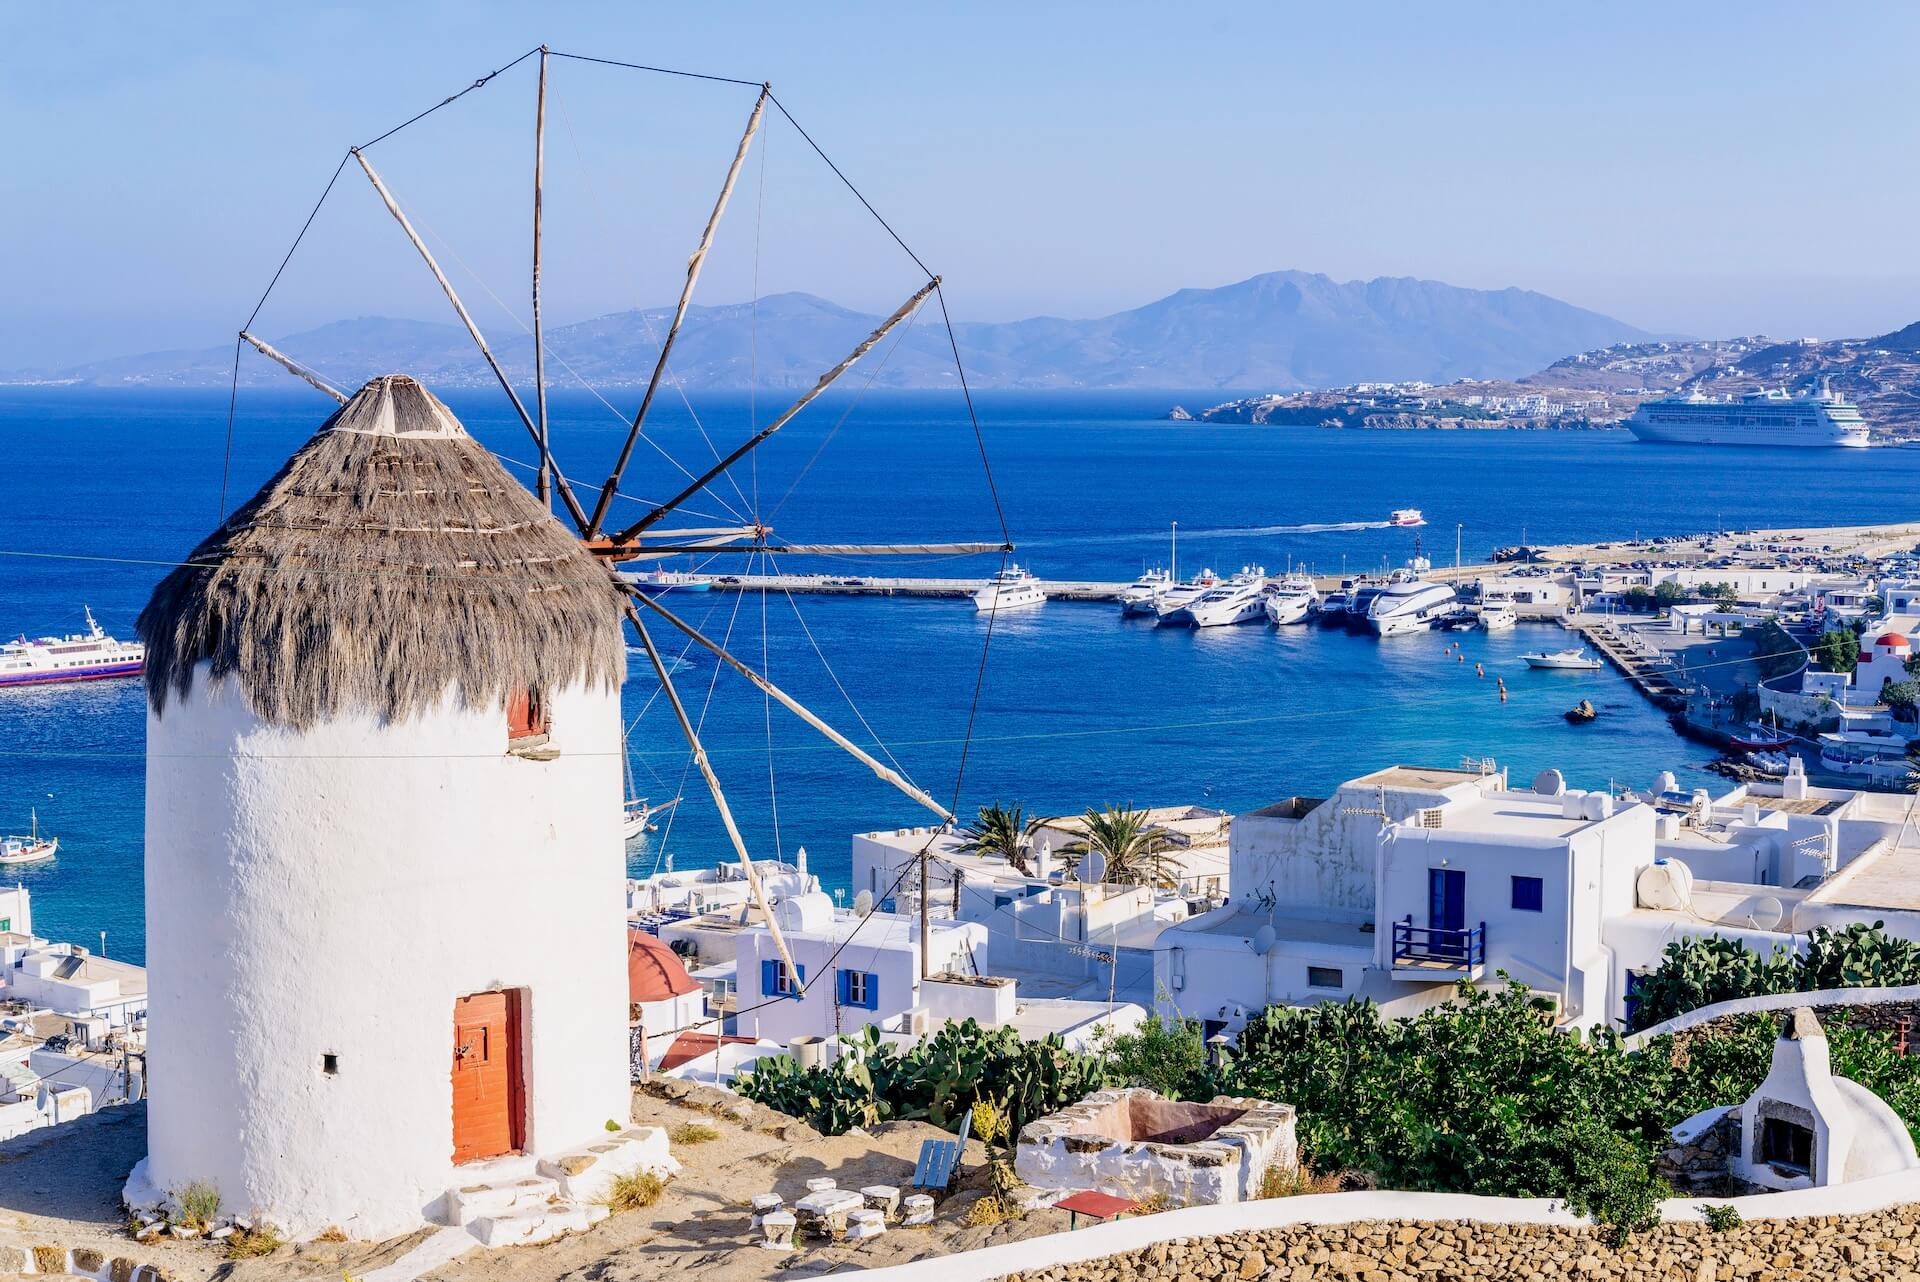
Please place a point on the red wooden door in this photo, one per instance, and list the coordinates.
(488, 1101)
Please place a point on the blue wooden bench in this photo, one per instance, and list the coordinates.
(939, 1159)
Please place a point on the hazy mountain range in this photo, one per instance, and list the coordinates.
(1273, 332)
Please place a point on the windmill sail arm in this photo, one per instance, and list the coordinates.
(740, 451)
(694, 264)
(880, 769)
(293, 367)
(713, 785)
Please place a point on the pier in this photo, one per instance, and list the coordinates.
(872, 585)
(1646, 668)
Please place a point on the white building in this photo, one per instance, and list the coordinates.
(1408, 880)
(70, 981)
(384, 865)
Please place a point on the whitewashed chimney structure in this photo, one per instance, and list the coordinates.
(384, 867)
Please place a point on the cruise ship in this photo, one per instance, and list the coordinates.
(80, 656)
(1761, 418)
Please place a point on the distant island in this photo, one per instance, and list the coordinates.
(1280, 331)
(1602, 387)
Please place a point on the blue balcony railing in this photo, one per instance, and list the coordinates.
(1437, 947)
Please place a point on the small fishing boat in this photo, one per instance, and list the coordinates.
(1581, 713)
(1573, 660)
(1758, 737)
(31, 849)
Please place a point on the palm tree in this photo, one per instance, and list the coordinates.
(996, 830)
(1134, 852)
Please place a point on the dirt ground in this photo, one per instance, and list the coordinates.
(62, 1185)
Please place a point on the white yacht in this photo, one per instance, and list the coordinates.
(1410, 604)
(1012, 589)
(1238, 600)
(1293, 602)
(1573, 660)
(1176, 595)
(1760, 418)
(1497, 618)
(1143, 594)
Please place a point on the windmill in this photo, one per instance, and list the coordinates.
(655, 534)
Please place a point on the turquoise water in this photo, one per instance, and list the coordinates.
(1078, 706)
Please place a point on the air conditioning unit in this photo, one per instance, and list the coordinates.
(1431, 817)
(919, 1021)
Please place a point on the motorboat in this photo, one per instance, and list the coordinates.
(1406, 516)
(31, 849)
(1410, 605)
(1293, 601)
(1240, 599)
(1497, 618)
(1013, 588)
(1360, 608)
(1333, 608)
(1573, 660)
(79, 656)
(1143, 594)
(1177, 595)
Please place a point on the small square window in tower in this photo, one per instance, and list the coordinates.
(528, 721)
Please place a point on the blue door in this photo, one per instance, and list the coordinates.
(1447, 910)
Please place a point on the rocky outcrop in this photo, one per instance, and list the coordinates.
(1882, 1246)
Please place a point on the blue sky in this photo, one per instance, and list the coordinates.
(1701, 168)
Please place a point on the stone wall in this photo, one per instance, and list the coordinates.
(1884, 1245)
(1878, 1008)
(1700, 1158)
(1131, 1143)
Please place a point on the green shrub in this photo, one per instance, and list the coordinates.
(198, 1203)
(1720, 1217)
(693, 1133)
(1700, 972)
(1168, 1058)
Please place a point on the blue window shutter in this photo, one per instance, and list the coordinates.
(873, 991)
(843, 984)
(769, 978)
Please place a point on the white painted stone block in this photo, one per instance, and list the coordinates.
(919, 1209)
(866, 1223)
(778, 1226)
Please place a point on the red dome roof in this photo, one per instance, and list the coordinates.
(1893, 639)
(654, 972)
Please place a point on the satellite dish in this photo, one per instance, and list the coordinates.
(863, 904)
(1767, 913)
(1549, 783)
(1264, 940)
(1093, 868)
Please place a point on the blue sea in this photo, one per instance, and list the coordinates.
(103, 490)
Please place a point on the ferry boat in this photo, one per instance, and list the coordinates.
(1410, 605)
(1293, 602)
(82, 656)
(1406, 516)
(1011, 589)
(1759, 418)
(1140, 596)
(1238, 600)
(1563, 661)
(31, 849)
(656, 582)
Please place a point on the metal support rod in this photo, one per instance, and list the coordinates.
(543, 478)
(826, 380)
(719, 797)
(446, 286)
(694, 265)
(882, 771)
(293, 367)
(923, 910)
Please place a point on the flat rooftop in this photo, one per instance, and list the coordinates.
(1885, 878)
(1511, 814)
(1429, 778)
(1800, 805)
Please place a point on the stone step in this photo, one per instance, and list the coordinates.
(586, 1174)
(468, 1204)
(527, 1225)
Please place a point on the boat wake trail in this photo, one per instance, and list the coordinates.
(1224, 532)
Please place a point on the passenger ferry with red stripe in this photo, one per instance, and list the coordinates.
(83, 656)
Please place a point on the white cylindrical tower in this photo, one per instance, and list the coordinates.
(384, 867)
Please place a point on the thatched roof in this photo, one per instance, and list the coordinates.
(390, 558)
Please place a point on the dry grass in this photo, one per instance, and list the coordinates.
(633, 1191)
(248, 1244)
(198, 1203)
(1152, 1205)
(1292, 1181)
(375, 570)
(692, 1133)
(991, 1210)
(332, 1233)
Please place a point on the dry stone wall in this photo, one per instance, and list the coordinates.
(1879, 1247)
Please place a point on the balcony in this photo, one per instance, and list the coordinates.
(1436, 953)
